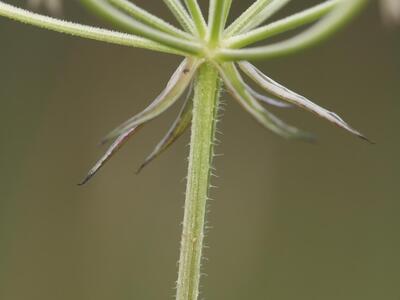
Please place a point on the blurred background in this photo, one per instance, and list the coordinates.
(290, 220)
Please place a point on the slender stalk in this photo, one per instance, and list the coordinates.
(144, 30)
(226, 11)
(109, 13)
(147, 18)
(200, 159)
(314, 35)
(247, 17)
(180, 13)
(113, 15)
(83, 31)
(216, 20)
(294, 21)
(197, 15)
(265, 14)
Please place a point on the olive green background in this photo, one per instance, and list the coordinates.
(289, 220)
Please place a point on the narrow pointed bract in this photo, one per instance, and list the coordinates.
(211, 42)
(238, 89)
(178, 83)
(268, 100)
(115, 146)
(284, 93)
(180, 125)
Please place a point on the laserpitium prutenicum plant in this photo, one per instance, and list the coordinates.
(214, 55)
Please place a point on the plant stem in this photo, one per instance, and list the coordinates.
(205, 108)
(84, 31)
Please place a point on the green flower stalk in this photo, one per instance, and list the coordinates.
(214, 54)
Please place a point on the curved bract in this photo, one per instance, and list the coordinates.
(235, 84)
(176, 86)
(200, 41)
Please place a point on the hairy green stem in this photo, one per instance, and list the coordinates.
(201, 153)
